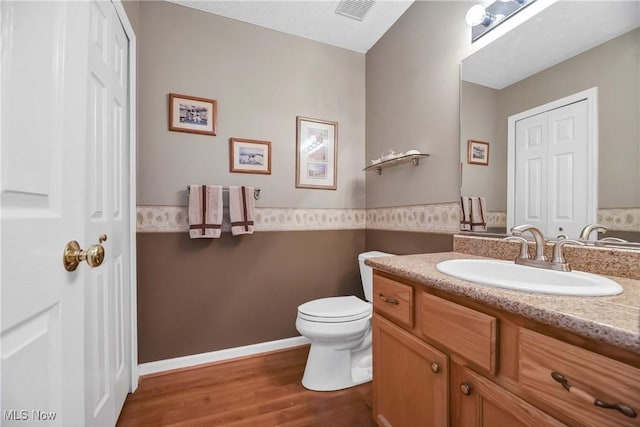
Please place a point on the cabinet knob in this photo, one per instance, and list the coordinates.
(435, 367)
(465, 389)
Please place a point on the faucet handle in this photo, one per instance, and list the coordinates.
(524, 247)
(558, 253)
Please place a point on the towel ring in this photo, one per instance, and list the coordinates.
(256, 191)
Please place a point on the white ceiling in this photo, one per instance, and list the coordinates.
(562, 30)
(311, 19)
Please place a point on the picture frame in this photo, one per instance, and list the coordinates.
(477, 152)
(316, 154)
(249, 156)
(192, 114)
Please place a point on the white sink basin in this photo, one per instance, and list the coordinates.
(508, 275)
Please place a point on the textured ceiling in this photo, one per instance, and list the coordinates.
(315, 20)
(562, 30)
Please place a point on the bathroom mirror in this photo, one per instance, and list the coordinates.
(567, 48)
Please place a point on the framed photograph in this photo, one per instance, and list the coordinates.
(477, 152)
(193, 115)
(249, 156)
(316, 153)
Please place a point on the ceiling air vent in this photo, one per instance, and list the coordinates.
(354, 9)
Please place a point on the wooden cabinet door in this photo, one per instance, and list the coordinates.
(482, 403)
(410, 379)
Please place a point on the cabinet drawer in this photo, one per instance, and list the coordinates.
(394, 300)
(467, 332)
(588, 375)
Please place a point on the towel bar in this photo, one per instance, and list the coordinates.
(256, 191)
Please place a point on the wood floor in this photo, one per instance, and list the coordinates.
(256, 391)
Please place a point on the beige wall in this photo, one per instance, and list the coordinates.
(412, 103)
(262, 80)
(478, 122)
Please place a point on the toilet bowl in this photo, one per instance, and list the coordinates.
(339, 329)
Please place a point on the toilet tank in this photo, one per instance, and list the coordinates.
(366, 272)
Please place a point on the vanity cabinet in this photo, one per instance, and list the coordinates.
(442, 360)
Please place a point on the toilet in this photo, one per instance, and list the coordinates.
(339, 329)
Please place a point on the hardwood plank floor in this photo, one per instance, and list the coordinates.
(257, 391)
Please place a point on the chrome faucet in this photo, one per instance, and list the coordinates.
(537, 236)
(558, 261)
(588, 229)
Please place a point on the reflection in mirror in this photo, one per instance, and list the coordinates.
(560, 52)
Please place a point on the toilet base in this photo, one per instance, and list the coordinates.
(329, 369)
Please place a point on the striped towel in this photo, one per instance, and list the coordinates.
(472, 211)
(241, 209)
(205, 211)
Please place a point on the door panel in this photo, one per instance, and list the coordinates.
(568, 210)
(531, 191)
(108, 285)
(44, 56)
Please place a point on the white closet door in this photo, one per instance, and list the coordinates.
(44, 64)
(551, 189)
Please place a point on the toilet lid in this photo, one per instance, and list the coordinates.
(335, 309)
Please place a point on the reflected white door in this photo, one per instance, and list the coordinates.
(60, 330)
(551, 179)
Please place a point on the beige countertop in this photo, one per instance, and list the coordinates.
(614, 319)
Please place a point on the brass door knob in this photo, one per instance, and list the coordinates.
(74, 255)
(435, 368)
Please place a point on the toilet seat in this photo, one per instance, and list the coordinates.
(335, 310)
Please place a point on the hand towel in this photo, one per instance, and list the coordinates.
(478, 209)
(465, 213)
(472, 216)
(205, 211)
(241, 209)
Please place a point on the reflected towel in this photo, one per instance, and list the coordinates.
(241, 209)
(465, 213)
(205, 211)
(472, 215)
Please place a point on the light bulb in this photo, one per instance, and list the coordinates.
(478, 15)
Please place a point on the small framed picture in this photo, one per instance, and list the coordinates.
(193, 115)
(316, 153)
(477, 153)
(249, 156)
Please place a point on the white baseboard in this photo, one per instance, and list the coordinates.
(216, 356)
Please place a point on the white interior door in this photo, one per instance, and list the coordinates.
(553, 165)
(65, 335)
(44, 61)
(107, 339)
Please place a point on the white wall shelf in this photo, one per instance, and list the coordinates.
(413, 158)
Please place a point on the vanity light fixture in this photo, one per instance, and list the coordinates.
(482, 19)
(478, 15)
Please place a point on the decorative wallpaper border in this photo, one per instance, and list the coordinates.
(154, 219)
(443, 218)
(619, 219)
